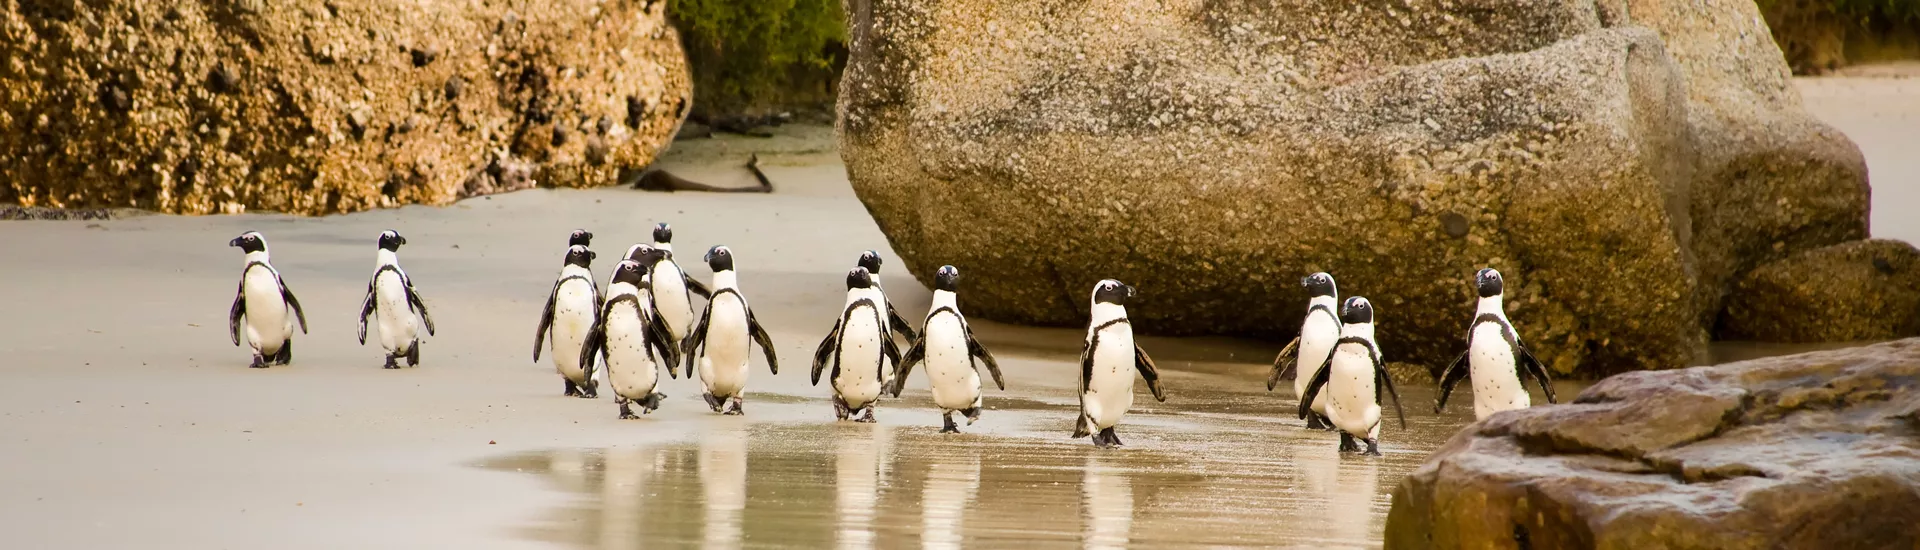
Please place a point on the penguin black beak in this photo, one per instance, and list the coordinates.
(234, 242)
(399, 239)
(591, 255)
(1131, 292)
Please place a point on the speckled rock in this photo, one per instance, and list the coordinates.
(325, 107)
(1212, 153)
(1861, 290)
(1806, 451)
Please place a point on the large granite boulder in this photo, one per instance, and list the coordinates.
(1861, 290)
(1620, 161)
(1820, 450)
(323, 107)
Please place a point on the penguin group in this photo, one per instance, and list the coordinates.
(1339, 370)
(645, 320)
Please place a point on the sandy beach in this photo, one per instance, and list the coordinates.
(129, 420)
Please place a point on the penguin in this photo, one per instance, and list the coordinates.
(724, 329)
(663, 240)
(947, 346)
(264, 300)
(393, 301)
(672, 289)
(1317, 334)
(858, 349)
(1496, 359)
(580, 237)
(1352, 377)
(870, 261)
(1106, 380)
(632, 343)
(573, 308)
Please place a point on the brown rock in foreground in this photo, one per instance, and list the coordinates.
(324, 107)
(1820, 450)
(1861, 290)
(1621, 162)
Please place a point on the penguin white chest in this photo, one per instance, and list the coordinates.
(1350, 391)
(1317, 337)
(268, 321)
(956, 384)
(394, 314)
(1110, 386)
(726, 356)
(631, 370)
(670, 295)
(572, 319)
(858, 381)
(1495, 372)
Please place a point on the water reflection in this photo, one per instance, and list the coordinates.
(952, 481)
(1108, 497)
(723, 484)
(857, 473)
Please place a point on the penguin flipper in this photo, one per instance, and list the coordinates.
(540, 334)
(413, 297)
(239, 308)
(825, 352)
(695, 286)
(366, 309)
(293, 302)
(1081, 427)
(888, 350)
(692, 344)
(1456, 371)
(1284, 363)
(1086, 367)
(986, 358)
(898, 323)
(1148, 371)
(659, 339)
(765, 340)
(1383, 379)
(1320, 378)
(594, 343)
(904, 367)
(1532, 366)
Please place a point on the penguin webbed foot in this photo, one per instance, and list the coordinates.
(868, 415)
(736, 406)
(393, 362)
(972, 414)
(712, 402)
(1346, 443)
(1373, 448)
(840, 409)
(1314, 423)
(285, 356)
(950, 427)
(572, 390)
(259, 362)
(590, 390)
(1107, 439)
(626, 413)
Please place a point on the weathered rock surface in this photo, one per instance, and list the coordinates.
(323, 107)
(1861, 290)
(1820, 450)
(1620, 161)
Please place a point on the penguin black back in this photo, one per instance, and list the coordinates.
(1489, 282)
(1356, 310)
(391, 240)
(580, 237)
(719, 258)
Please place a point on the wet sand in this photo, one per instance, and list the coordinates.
(127, 418)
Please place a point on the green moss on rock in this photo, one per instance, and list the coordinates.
(751, 58)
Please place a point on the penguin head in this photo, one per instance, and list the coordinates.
(1489, 282)
(642, 253)
(858, 278)
(871, 261)
(1109, 291)
(720, 258)
(580, 256)
(580, 237)
(947, 278)
(662, 233)
(391, 240)
(250, 242)
(1319, 284)
(629, 272)
(1356, 311)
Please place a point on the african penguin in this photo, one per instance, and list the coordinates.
(1352, 377)
(573, 308)
(393, 302)
(630, 342)
(857, 348)
(724, 329)
(947, 346)
(672, 291)
(870, 260)
(1317, 335)
(268, 306)
(663, 240)
(1495, 357)
(1107, 364)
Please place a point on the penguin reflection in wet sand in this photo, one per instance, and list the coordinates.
(393, 302)
(724, 329)
(1107, 364)
(1496, 360)
(267, 305)
(573, 308)
(894, 322)
(1317, 335)
(1352, 377)
(947, 346)
(630, 341)
(857, 348)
